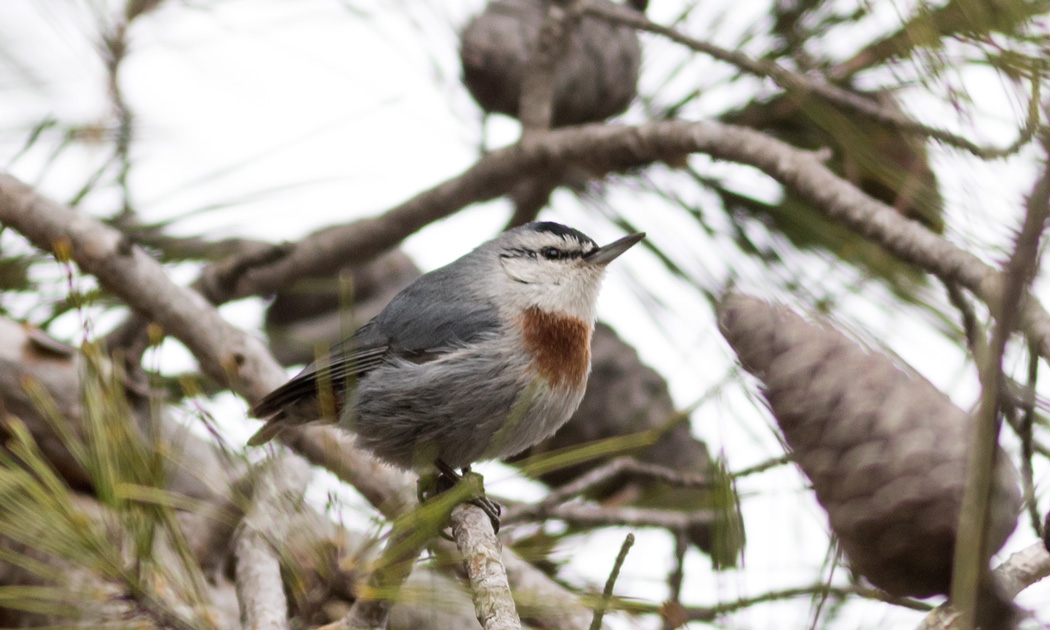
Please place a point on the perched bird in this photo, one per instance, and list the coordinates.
(477, 360)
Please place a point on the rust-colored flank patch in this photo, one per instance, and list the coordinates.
(560, 346)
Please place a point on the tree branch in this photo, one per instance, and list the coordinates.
(603, 604)
(601, 475)
(1018, 572)
(537, 84)
(592, 515)
(225, 352)
(710, 613)
(602, 148)
(609, 148)
(1023, 569)
(481, 551)
(279, 490)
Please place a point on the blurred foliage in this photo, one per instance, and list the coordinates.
(14, 273)
(103, 548)
(931, 27)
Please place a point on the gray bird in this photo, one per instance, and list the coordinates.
(477, 360)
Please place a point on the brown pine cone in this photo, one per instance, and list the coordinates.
(885, 450)
(596, 78)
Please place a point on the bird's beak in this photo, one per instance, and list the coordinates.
(607, 254)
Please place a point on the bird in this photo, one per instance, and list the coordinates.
(473, 361)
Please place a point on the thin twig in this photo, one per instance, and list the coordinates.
(677, 576)
(115, 49)
(1011, 396)
(761, 466)
(1037, 446)
(603, 604)
(710, 613)
(481, 550)
(604, 474)
(591, 515)
(1027, 448)
(975, 340)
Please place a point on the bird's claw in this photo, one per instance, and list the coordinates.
(492, 509)
(429, 486)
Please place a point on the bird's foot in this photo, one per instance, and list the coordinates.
(472, 484)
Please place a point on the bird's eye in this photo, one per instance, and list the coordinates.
(550, 253)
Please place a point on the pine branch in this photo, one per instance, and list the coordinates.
(481, 550)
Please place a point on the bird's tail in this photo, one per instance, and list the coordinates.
(269, 431)
(288, 407)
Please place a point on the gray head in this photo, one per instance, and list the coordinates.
(550, 266)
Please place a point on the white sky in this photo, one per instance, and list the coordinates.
(294, 115)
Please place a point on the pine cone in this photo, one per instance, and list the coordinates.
(885, 450)
(596, 78)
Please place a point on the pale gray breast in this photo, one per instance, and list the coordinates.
(485, 401)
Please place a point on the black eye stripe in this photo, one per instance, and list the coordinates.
(553, 253)
(549, 253)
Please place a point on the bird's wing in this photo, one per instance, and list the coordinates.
(421, 323)
(437, 313)
(351, 358)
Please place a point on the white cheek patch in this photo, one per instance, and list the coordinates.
(521, 270)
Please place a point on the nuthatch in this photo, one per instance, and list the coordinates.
(477, 360)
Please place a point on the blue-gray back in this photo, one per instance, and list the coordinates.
(438, 312)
